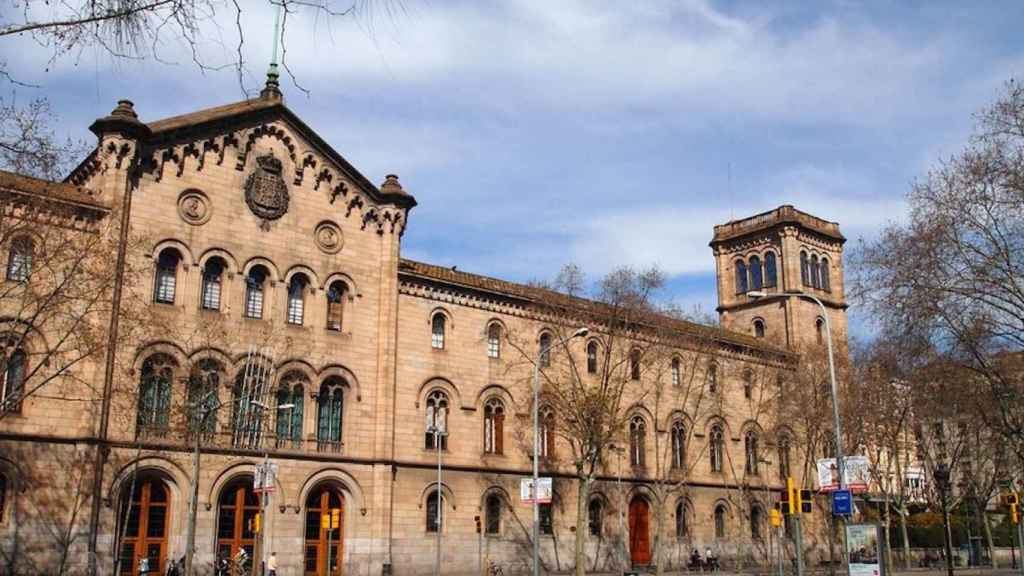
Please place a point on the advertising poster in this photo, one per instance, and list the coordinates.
(862, 548)
(543, 490)
(857, 474)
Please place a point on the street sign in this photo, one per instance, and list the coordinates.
(543, 490)
(842, 503)
(266, 474)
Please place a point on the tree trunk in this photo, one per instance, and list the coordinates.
(582, 524)
(886, 525)
(659, 527)
(988, 538)
(906, 538)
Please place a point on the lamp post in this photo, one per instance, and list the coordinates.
(579, 333)
(840, 462)
(941, 474)
(264, 498)
(190, 530)
(437, 429)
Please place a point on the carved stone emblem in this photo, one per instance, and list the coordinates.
(265, 190)
(328, 237)
(194, 207)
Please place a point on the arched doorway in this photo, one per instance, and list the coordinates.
(144, 511)
(322, 544)
(236, 512)
(639, 531)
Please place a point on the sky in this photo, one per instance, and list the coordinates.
(536, 133)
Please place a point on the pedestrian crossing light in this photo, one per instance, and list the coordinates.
(806, 501)
(335, 518)
(254, 524)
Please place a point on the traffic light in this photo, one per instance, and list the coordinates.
(789, 499)
(325, 521)
(775, 517)
(1014, 516)
(1011, 499)
(806, 501)
(254, 524)
(335, 518)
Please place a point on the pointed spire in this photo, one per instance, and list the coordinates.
(272, 89)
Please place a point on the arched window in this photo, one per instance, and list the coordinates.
(805, 273)
(595, 514)
(155, 396)
(290, 392)
(203, 385)
(756, 277)
(720, 521)
(237, 507)
(19, 259)
(544, 350)
(329, 409)
(494, 340)
(254, 287)
(637, 441)
(815, 272)
(323, 501)
(13, 374)
(748, 384)
(437, 328)
(494, 424)
(682, 526)
(336, 294)
(676, 372)
(826, 282)
(213, 275)
(678, 434)
(712, 377)
(246, 411)
(166, 276)
(492, 514)
(716, 451)
(634, 365)
(756, 519)
(750, 449)
(592, 357)
(819, 329)
(145, 507)
(437, 419)
(435, 512)
(547, 432)
(741, 277)
(297, 299)
(759, 328)
(771, 275)
(784, 458)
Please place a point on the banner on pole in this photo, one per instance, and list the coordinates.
(265, 479)
(543, 490)
(857, 474)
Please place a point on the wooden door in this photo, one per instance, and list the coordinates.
(321, 543)
(236, 513)
(639, 531)
(145, 531)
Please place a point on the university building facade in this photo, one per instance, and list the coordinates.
(282, 324)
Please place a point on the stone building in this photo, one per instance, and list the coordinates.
(282, 324)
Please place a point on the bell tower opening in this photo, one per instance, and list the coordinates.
(764, 261)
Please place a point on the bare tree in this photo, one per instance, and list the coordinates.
(951, 276)
(591, 407)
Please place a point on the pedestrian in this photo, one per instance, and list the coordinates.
(272, 564)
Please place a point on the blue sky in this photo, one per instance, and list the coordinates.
(535, 133)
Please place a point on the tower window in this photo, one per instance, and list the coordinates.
(824, 272)
(771, 279)
(805, 274)
(297, 300)
(716, 452)
(254, 287)
(166, 276)
(335, 305)
(594, 513)
(19, 260)
(741, 277)
(720, 521)
(676, 375)
(637, 441)
(634, 365)
(545, 350)
(712, 377)
(213, 273)
(815, 273)
(819, 330)
(494, 424)
(756, 279)
(494, 340)
(592, 357)
(759, 328)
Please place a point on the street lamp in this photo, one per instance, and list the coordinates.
(437, 429)
(840, 462)
(203, 412)
(941, 474)
(264, 498)
(579, 333)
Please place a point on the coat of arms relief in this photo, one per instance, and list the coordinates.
(265, 190)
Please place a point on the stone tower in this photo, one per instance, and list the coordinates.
(776, 252)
